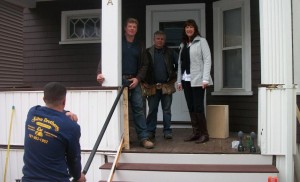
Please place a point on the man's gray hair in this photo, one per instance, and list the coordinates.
(159, 32)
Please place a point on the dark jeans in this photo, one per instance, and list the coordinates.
(153, 103)
(137, 106)
(194, 97)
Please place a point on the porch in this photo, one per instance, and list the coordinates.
(88, 103)
(178, 146)
(177, 160)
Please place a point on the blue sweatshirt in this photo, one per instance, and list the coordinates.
(51, 149)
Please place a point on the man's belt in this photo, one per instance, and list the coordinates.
(158, 86)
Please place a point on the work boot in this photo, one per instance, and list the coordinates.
(147, 144)
(151, 137)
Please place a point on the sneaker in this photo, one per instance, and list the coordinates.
(146, 143)
(168, 136)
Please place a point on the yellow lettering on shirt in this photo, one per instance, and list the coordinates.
(39, 126)
(43, 125)
(52, 123)
(38, 138)
(36, 118)
(50, 134)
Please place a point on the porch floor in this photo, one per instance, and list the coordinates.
(177, 145)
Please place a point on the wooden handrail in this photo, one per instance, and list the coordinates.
(114, 165)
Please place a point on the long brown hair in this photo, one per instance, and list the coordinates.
(189, 22)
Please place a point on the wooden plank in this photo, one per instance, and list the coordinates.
(126, 119)
(298, 114)
(117, 157)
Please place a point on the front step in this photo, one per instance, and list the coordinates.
(191, 167)
(216, 168)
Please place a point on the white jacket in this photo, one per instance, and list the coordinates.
(200, 65)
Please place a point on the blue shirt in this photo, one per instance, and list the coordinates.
(130, 57)
(159, 67)
(51, 148)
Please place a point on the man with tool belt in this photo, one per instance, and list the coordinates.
(158, 85)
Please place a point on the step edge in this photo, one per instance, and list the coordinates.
(194, 158)
(226, 168)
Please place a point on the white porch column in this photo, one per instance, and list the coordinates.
(111, 42)
(277, 102)
(111, 62)
(296, 43)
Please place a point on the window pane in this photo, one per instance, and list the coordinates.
(84, 28)
(173, 32)
(232, 69)
(232, 28)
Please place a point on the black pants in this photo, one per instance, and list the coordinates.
(194, 97)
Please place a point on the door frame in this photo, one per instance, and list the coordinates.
(174, 13)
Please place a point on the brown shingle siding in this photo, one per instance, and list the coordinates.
(11, 45)
(46, 60)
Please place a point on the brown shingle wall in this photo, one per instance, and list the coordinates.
(75, 65)
(243, 110)
(46, 60)
(11, 45)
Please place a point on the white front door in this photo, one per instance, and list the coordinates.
(170, 19)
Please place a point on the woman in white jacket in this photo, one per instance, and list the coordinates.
(194, 67)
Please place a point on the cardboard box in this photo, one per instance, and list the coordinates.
(217, 121)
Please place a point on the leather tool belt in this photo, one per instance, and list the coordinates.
(166, 88)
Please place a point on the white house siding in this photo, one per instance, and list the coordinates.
(272, 119)
(297, 163)
(296, 43)
(277, 68)
(91, 107)
(22, 101)
(15, 165)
